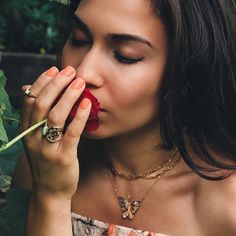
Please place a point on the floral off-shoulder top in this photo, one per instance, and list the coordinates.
(83, 226)
(13, 214)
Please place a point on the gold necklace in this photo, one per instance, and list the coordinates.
(130, 206)
(145, 175)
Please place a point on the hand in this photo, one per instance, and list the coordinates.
(54, 166)
(113, 231)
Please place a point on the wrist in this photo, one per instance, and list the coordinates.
(49, 203)
(48, 215)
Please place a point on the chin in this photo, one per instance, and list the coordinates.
(99, 133)
(105, 133)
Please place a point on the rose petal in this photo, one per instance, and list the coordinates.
(92, 122)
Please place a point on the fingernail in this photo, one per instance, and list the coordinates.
(132, 233)
(23, 88)
(51, 72)
(110, 229)
(84, 104)
(68, 71)
(77, 84)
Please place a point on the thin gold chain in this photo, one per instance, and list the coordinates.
(145, 175)
(166, 169)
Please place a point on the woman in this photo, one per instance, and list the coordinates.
(164, 74)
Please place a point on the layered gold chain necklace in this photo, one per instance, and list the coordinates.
(130, 206)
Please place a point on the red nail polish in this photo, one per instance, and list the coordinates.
(110, 229)
(52, 71)
(68, 71)
(77, 84)
(84, 104)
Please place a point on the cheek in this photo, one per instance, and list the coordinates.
(71, 56)
(136, 87)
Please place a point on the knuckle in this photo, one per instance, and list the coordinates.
(46, 154)
(30, 146)
(39, 82)
(63, 161)
(40, 103)
(54, 118)
(68, 96)
(81, 117)
(72, 132)
(28, 102)
(54, 82)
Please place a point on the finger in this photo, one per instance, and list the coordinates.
(23, 113)
(112, 230)
(44, 79)
(132, 233)
(26, 86)
(76, 127)
(44, 101)
(38, 85)
(61, 110)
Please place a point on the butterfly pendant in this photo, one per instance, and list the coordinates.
(128, 207)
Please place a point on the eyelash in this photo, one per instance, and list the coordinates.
(124, 60)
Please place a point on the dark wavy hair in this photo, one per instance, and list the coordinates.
(198, 96)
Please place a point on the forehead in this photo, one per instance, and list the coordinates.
(120, 16)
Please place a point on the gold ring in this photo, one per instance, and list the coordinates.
(52, 134)
(30, 93)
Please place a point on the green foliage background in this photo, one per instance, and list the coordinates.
(9, 121)
(28, 26)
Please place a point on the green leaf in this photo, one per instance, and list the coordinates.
(4, 98)
(6, 113)
(3, 134)
(64, 2)
(5, 181)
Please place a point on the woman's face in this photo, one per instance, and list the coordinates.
(120, 49)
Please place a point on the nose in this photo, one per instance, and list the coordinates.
(90, 69)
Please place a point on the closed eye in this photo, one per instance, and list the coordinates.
(126, 60)
(119, 57)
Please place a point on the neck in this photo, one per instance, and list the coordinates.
(136, 152)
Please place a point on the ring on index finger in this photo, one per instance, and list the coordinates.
(29, 93)
(52, 134)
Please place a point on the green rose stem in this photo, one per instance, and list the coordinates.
(17, 138)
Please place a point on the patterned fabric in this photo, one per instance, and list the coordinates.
(83, 226)
(13, 214)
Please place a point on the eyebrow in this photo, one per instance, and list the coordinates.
(129, 37)
(80, 24)
(113, 37)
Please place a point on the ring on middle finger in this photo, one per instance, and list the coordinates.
(52, 134)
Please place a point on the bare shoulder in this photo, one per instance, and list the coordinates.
(217, 204)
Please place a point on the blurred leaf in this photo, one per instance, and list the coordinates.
(29, 21)
(13, 214)
(5, 181)
(3, 135)
(5, 106)
(65, 2)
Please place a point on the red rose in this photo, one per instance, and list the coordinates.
(92, 123)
